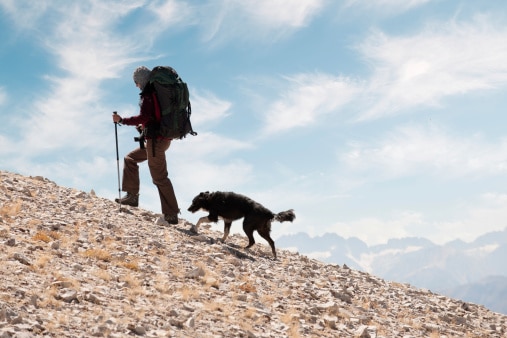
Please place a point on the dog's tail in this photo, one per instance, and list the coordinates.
(285, 216)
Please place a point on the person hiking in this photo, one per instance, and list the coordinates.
(153, 150)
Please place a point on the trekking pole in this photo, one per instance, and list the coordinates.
(117, 160)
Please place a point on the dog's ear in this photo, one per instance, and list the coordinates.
(203, 195)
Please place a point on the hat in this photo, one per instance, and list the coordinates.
(141, 76)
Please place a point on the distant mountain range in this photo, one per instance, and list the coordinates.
(474, 272)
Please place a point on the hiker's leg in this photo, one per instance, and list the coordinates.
(130, 181)
(158, 169)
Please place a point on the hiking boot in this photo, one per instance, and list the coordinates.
(129, 199)
(171, 219)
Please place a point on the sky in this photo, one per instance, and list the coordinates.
(371, 119)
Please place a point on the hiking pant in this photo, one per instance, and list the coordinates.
(158, 170)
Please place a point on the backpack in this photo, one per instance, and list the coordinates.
(172, 103)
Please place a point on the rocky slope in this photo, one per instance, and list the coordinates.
(472, 271)
(72, 265)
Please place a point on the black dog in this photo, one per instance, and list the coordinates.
(230, 206)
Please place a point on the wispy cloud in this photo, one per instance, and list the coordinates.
(3, 96)
(308, 97)
(256, 19)
(414, 150)
(375, 230)
(88, 50)
(387, 5)
(171, 13)
(441, 61)
(25, 13)
(211, 145)
(409, 72)
(211, 108)
(480, 215)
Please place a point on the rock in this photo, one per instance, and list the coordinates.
(21, 258)
(68, 296)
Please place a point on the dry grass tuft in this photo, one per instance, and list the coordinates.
(99, 254)
(162, 286)
(11, 209)
(49, 298)
(55, 235)
(41, 236)
(132, 265)
(34, 222)
(131, 281)
(4, 233)
(188, 293)
(42, 261)
(247, 287)
(102, 274)
(291, 319)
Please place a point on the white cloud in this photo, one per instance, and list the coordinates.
(25, 13)
(87, 48)
(373, 230)
(207, 162)
(211, 108)
(408, 72)
(482, 251)
(412, 150)
(3, 96)
(201, 175)
(387, 5)
(171, 13)
(309, 96)
(366, 261)
(441, 61)
(281, 13)
(319, 255)
(478, 215)
(209, 145)
(264, 19)
(85, 41)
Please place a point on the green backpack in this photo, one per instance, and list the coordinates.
(172, 103)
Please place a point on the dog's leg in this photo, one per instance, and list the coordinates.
(248, 228)
(227, 229)
(264, 233)
(195, 228)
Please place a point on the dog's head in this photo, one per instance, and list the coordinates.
(199, 202)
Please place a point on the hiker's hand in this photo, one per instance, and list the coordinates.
(116, 118)
(139, 128)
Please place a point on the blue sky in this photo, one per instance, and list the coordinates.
(373, 119)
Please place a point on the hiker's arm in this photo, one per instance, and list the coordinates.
(145, 114)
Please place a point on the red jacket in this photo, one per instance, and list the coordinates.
(146, 112)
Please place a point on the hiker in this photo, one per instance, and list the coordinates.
(151, 148)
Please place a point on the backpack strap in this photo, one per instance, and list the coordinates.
(189, 111)
(158, 117)
(156, 104)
